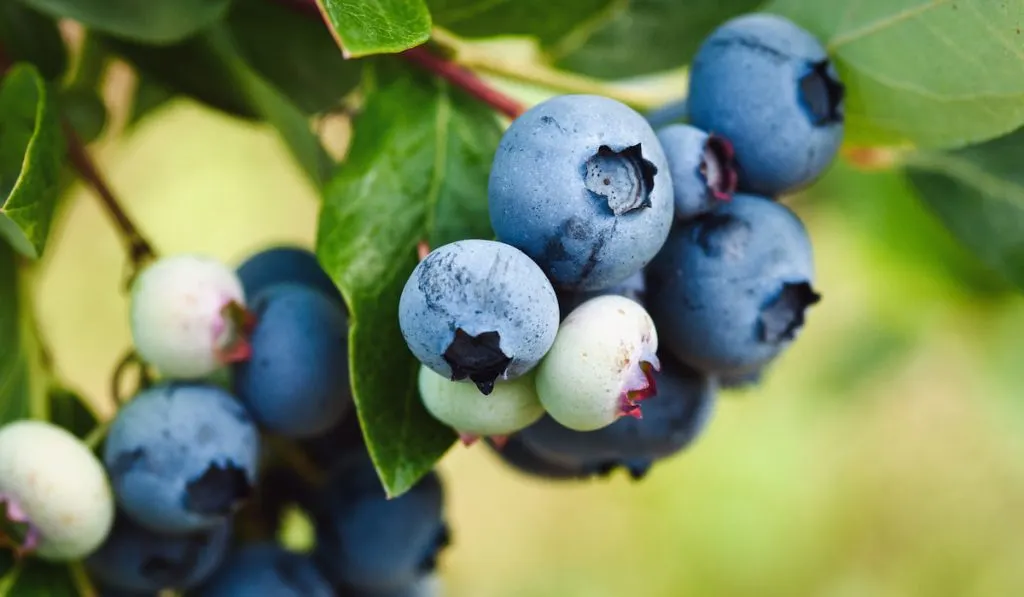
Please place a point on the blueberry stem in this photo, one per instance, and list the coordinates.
(83, 584)
(95, 437)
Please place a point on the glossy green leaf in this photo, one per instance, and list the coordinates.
(646, 36)
(978, 193)
(31, 155)
(417, 170)
(30, 36)
(22, 387)
(548, 21)
(940, 73)
(303, 62)
(365, 27)
(149, 21)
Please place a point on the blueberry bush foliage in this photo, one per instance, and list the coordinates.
(935, 89)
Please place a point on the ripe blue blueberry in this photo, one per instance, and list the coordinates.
(182, 457)
(581, 185)
(54, 493)
(478, 310)
(516, 454)
(136, 559)
(267, 570)
(371, 543)
(427, 586)
(702, 168)
(729, 290)
(285, 265)
(768, 86)
(633, 288)
(670, 422)
(188, 316)
(296, 383)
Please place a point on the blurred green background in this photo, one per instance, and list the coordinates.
(883, 455)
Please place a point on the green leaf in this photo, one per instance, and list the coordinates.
(303, 62)
(31, 155)
(30, 36)
(151, 21)
(22, 387)
(940, 73)
(978, 193)
(548, 21)
(69, 410)
(365, 27)
(36, 578)
(85, 111)
(417, 169)
(149, 96)
(647, 36)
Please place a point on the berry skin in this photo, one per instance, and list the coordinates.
(297, 382)
(702, 169)
(428, 586)
(139, 560)
(478, 309)
(768, 86)
(285, 265)
(581, 185)
(729, 290)
(188, 316)
(182, 457)
(516, 454)
(601, 364)
(267, 570)
(512, 405)
(670, 423)
(634, 288)
(53, 484)
(370, 543)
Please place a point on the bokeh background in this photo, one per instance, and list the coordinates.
(883, 456)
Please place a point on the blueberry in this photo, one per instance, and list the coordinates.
(478, 310)
(729, 290)
(371, 543)
(54, 493)
(600, 365)
(702, 169)
(741, 381)
(634, 288)
(581, 185)
(187, 316)
(182, 457)
(516, 454)
(138, 560)
(510, 407)
(285, 265)
(296, 383)
(768, 86)
(427, 586)
(670, 422)
(267, 570)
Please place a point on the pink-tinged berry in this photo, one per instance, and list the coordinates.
(601, 364)
(55, 500)
(188, 316)
(511, 406)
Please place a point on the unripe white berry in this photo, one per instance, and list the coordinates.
(600, 365)
(513, 405)
(59, 485)
(186, 315)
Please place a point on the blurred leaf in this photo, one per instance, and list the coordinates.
(365, 27)
(21, 387)
(68, 410)
(149, 96)
(935, 72)
(648, 36)
(149, 21)
(37, 578)
(546, 20)
(303, 62)
(31, 155)
(85, 110)
(978, 193)
(417, 169)
(30, 36)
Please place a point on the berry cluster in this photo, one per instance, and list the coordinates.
(248, 361)
(631, 263)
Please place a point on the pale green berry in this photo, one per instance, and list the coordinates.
(186, 316)
(58, 485)
(511, 406)
(600, 365)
